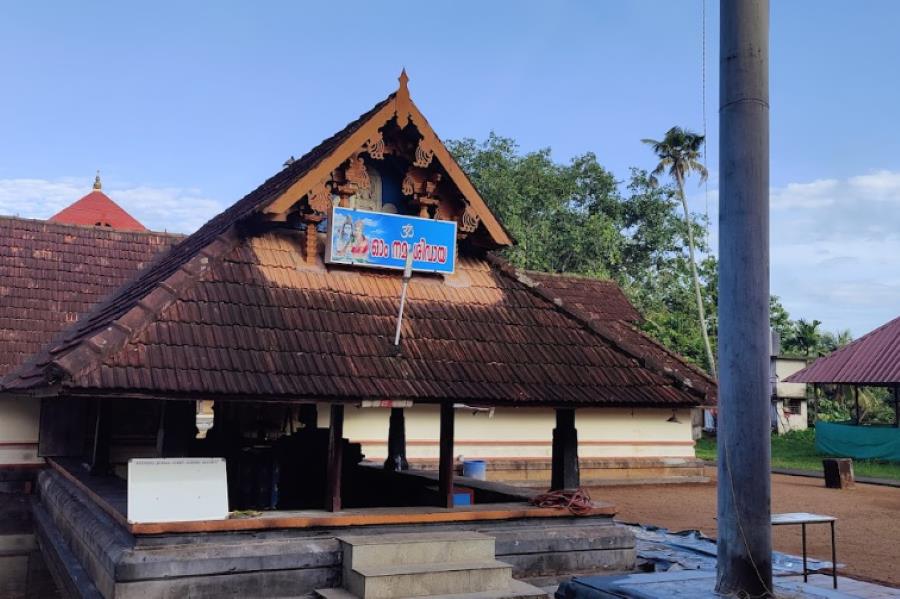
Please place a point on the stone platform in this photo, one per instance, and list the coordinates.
(96, 554)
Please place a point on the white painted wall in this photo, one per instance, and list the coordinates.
(19, 424)
(524, 432)
(785, 367)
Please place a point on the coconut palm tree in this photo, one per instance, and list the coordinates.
(679, 155)
(807, 336)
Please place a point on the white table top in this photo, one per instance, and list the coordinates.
(800, 518)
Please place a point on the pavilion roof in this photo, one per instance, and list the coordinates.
(234, 311)
(873, 359)
(97, 209)
(260, 324)
(52, 273)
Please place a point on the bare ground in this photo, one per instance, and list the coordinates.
(868, 527)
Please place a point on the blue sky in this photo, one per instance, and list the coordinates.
(186, 107)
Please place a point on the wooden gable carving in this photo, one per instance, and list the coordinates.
(432, 180)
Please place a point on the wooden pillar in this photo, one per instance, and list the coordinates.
(177, 428)
(856, 401)
(445, 473)
(335, 458)
(564, 474)
(396, 454)
(309, 416)
(102, 434)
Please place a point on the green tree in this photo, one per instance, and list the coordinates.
(679, 155)
(564, 217)
(807, 336)
(577, 218)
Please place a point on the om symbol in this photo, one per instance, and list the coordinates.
(406, 231)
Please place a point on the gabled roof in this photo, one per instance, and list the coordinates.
(277, 193)
(258, 324)
(97, 209)
(52, 273)
(873, 359)
(232, 314)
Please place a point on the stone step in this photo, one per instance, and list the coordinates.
(363, 551)
(516, 590)
(419, 580)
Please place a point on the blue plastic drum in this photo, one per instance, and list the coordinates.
(476, 469)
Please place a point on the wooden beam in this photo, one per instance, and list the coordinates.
(445, 466)
(335, 458)
(564, 466)
(100, 449)
(396, 454)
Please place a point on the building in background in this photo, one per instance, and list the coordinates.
(52, 272)
(789, 400)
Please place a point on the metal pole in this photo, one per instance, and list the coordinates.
(407, 275)
(744, 454)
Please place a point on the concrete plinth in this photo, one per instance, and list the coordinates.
(287, 562)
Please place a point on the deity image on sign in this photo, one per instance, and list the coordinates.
(344, 239)
(360, 249)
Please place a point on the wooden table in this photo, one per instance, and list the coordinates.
(803, 518)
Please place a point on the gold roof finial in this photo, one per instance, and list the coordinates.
(97, 183)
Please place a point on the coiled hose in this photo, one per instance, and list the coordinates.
(577, 501)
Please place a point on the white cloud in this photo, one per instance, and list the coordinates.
(835, 247)
(177, 209)
(816, 194)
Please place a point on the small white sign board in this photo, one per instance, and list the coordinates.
(177, 489)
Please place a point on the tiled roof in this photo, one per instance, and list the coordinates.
(602, 299)
(215, 236)
(52, 273)
(873, 359)
(97, 209)
(236, 314)
(586, 299)
(260, 323)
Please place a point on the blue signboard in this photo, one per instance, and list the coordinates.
(382, 240)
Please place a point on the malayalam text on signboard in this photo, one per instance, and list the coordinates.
(383, 240)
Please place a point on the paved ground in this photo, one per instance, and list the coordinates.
(868, 529)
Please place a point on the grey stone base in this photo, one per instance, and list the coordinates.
(287, 562)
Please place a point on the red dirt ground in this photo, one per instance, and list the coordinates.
(868, 527)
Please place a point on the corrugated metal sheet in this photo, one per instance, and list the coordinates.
(873, 359)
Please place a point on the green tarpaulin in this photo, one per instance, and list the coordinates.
(875, 442)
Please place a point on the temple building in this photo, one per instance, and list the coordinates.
(345, 318)
(52, 272)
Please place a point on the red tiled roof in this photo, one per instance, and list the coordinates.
(261, 324)
(616, 324)
(97, 209)
(52, 273)
(234, 314)
(873, 359)
(602, 299)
